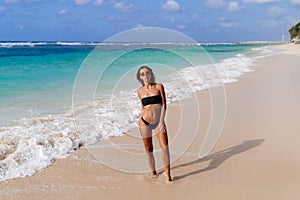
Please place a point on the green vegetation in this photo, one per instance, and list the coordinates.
(295, 31)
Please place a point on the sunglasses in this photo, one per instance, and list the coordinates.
(144, 73)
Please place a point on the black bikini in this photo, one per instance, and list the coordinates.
(151, 100)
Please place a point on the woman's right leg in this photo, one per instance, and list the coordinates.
(146, 134)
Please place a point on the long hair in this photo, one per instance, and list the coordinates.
(152, 80)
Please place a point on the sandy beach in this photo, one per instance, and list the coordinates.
(256, 157)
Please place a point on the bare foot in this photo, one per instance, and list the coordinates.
(168, 177)
(154, 175)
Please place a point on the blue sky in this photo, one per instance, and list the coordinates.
(96, 20)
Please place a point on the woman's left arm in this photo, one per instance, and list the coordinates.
(161, 125)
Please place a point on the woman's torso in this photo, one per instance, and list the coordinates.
(151, 98)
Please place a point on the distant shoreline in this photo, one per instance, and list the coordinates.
(93, 43)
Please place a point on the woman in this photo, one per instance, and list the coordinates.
(153, 100)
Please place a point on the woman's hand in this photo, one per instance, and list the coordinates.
(162, 127)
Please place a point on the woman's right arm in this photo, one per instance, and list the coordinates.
(142, 106)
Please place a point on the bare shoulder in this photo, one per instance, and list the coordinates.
(139, 91)
(159, 86)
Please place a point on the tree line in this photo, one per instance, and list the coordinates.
(295, 31)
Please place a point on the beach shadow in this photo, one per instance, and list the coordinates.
(216, 159)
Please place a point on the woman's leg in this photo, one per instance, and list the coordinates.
(146, 134)
(163, 142)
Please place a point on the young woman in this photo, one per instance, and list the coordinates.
(153, 100)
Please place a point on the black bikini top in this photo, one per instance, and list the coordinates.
(152, 100)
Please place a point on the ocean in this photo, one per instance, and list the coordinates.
(58, 96)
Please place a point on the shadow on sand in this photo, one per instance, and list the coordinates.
(216, 159)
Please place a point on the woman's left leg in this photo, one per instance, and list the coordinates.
(163, 142)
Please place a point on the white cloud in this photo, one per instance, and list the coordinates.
(123, 6)
(215, 3)
(229, 24)
(171, 5)
(233, 6)
(259, 1)
(98, 2)
(62, 12)
(81, 2)
(295, 2)
(275, 11)
(2, 9)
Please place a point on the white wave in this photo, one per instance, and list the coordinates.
(35, 143)
(33, 44)
(18, 44)
(77, 43)
(198, 78)
(263, 52)
(146, 43)
(217, 44)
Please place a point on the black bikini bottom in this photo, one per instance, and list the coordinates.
(152, 126)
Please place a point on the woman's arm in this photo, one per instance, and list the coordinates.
(142, 106)
(161, 125)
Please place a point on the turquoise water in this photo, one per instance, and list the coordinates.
(37, 79)
(32, 77)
